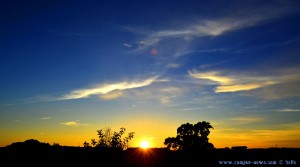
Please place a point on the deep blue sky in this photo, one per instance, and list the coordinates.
(69, 68)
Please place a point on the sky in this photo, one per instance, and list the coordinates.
(70, 68)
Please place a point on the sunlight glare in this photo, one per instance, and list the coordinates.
(145, 144)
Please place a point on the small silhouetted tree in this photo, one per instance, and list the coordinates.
(109, 139)
(105, 136)
(86, 144)
(191, 137)
(125, 141)
(93, 142)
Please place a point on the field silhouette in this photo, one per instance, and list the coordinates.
(34, 153)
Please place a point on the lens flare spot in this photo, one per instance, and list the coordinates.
(154, 51)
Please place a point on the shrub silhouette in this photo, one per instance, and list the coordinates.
(109, 139)
(191, 137)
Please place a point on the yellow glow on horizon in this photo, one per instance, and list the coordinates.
(154, 131)
(145, 144)
(256, 138)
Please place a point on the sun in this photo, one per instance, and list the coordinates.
(145, 144)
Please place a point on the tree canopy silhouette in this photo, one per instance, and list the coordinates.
(191, 137)
(109, 139)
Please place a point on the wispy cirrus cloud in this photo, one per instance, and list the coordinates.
(191, 109)
(161, 93)
(243, 87)
(127, 45)
(108, 88)
(112, 95)
(173, 65)
(267, 46)
(213, 76)
(213, 27)
(242, 81)
(202, 28)
(45, 118)
(288, 110)
(215, 64)
(247, 120)
(278, 91)
(73, 123)
(104, 91)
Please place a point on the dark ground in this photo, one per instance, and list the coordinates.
(79, 156)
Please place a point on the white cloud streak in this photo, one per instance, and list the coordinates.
(127, 45)
(72, 123)
(242, 82)
(111, 95)
(213, 76)
(288, 110)
(108, 88)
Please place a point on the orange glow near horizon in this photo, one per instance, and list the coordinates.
(220, 140)
(154, 133)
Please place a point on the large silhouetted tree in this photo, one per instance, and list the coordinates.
(109, 139)
(191, 137)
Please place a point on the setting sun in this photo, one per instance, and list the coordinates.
(145, 144)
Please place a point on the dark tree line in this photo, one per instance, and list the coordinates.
(191, 137)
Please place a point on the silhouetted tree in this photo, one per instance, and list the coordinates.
(125, 142)
(86, 144)
(191, 137)
(104, 137)
(172, 143)
(93, 142)
(110, 139)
